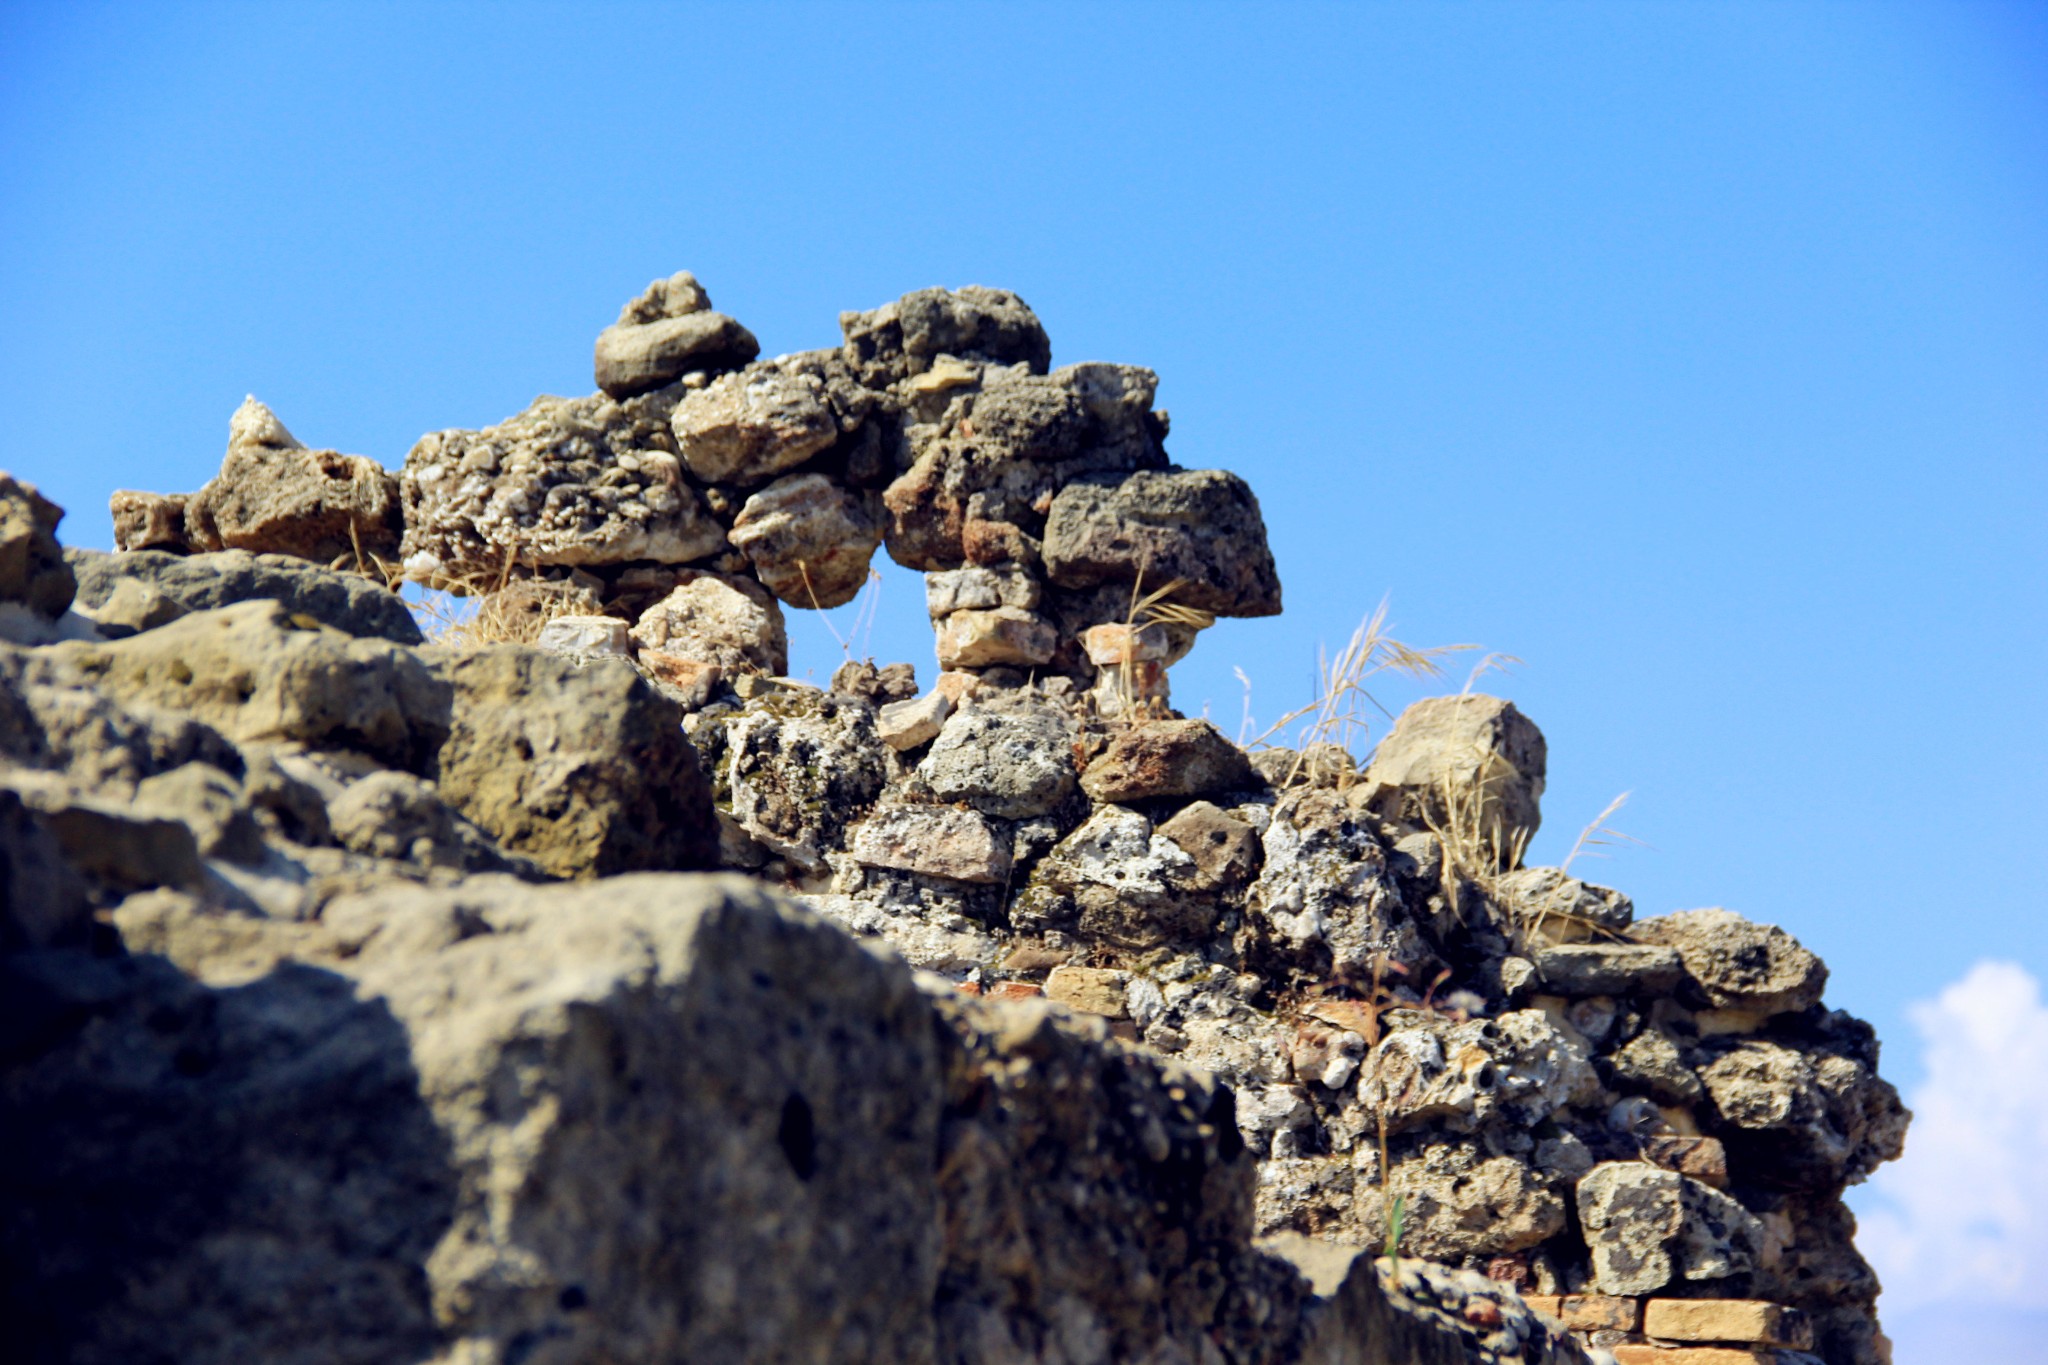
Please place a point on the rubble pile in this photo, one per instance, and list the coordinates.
(1137, 1038)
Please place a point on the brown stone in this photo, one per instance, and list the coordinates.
(1092, 990)
(1748, 1321)
(1166, 758)
(1600, 1312)
(1705, 1159)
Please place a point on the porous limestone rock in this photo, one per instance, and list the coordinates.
(584, 770)
(808, 539)
(1756, 968)
(748, 427)
(1326, 891)
(1010, 764)
(1198, 528)
(33, 570)
(718, 619)
(1648, 1228)
(1817, 1111)
(583, 481)
(796, 769)
(904, 338)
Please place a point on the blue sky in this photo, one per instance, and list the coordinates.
(1696, 354)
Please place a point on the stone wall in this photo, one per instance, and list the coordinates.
(1173, 1029)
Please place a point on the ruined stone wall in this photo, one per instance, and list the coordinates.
(1322, 1003)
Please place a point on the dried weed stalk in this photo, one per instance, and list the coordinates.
(1343, 706)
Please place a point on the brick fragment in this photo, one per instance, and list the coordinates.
(1597, 1312)
(1635, 1353)
(1750, 1321)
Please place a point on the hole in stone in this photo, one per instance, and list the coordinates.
(797, 1135)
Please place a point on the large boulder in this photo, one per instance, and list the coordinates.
(584, 481)
(274, 496)
(586, 771)
(664, 1118)
(1200, 529)
(349, 602)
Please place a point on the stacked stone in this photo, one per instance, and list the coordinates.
(703, 489)
(1554, 1095)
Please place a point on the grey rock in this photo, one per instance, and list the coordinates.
(1326, 892)
(665, 333)
(1651, 1062)
(985, 469)
(1740, 965)
(1010, 764)
(348, 602)
(1201, 528)
(978, 589)
(616, 1120)
(43, 899)
(904, 338)
(396, 815)
(1561, 908)
(1580, 969)
(796, 768)
(254, 673)
(1117, 879)
(1648, 1227)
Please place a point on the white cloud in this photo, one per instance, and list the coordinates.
(1962, 1217)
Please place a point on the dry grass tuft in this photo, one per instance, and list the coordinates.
(1341, 713)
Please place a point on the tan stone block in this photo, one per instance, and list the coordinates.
(1546, 1304)
(1000, 635)
(1600, 1312)
(1734, 1320)
(1092, 990)
(1635, 1353)
(956, 686)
